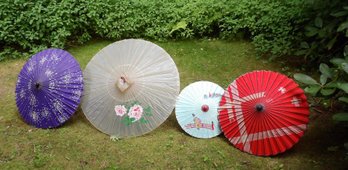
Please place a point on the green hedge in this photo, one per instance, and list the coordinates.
(32, 26)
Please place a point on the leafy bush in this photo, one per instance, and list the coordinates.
(325, 31)
(332, 87)
(31, 26)
(313, 29)
(27, 25)
(325, 39)
(272, 24)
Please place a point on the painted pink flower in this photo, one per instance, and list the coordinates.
(120, 110)
(135, 112)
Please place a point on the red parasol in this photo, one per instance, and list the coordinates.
(263, 113)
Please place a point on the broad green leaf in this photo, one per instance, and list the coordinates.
(300, 52)
(337, 61)
(311, 31)
(343, 26)
(346, 145)
(324, 69)
(322, 33)
(333, 148)
(323, 79)
(331, 43)
(179, 25)
(312, 90)
(345, 52)
(304, 45)
(327, 92)
(345, 67)
(305, 79)
(331, 85)
(339, 14)
(340, 117)
(318, 22)
(343, 86)
(343, 99)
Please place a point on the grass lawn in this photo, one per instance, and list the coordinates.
(78, 145)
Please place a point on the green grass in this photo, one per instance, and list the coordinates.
(78, 145)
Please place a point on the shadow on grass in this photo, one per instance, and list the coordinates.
(78, 117)
(321, 145)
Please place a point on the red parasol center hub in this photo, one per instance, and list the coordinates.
(260, 107)
(205, 108)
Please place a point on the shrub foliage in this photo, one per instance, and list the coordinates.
(325, 40)
(310, 28)
(34, 25)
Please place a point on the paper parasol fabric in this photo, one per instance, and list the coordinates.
(130, 88)
(263, 113)
(49, 88)
(197, 109)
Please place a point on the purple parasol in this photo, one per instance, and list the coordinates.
(49, 88)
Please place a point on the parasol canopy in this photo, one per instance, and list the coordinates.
(130, 88)
(49, 88)
(263, 113)
(197, 109)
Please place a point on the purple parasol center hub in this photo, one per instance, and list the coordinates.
(38, 85)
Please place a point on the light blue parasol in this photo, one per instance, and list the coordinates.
(197, 109)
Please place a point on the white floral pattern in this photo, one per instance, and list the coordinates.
(43, 60)
(45, 112)
(34, 116)
(61, 119)
(30, 84)
(32, 100)
(282, 90)
(48, 73)
(52, 85)
(296, 101)
(80, 79)
(58, 106)
(22, 94)
(54, 57)
(77, 93)
(67, 78)
(30, 68)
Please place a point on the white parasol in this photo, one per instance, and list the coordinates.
(130, 88)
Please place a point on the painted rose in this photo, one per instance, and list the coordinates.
(120, 110)
(135, 112)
